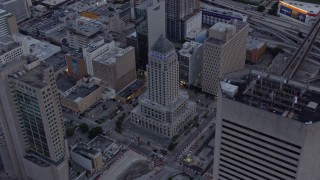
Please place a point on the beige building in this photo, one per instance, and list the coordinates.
(224, 51)
(31, 109)
(80, 97)
(116, 67)
(267, 127)
(88, 157)
(8, 23)
(163, 109)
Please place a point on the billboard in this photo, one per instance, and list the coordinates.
(300, 16)
(75, 67)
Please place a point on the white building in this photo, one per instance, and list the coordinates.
(93, 50)
(150, 25)
(40, 49)
(163, 109)
(9, 50)
(190, 63)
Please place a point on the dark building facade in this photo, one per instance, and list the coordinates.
(177, 13)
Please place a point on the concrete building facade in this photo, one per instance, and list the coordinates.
(87, 157)
(116, 67)
(9, 50)
(8, 23)
(81, 97)
(163, 109)
(150, 25)
(76, 65)
(93, 50)
(31, 109)
(190, 63)
(273, 137)
(224, 51)
(18, 8)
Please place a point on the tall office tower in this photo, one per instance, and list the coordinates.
(224, 51)
(8, 23)
(163, 109)
(267, 127)
(19, 8)
(150, 25)
(178, 18)
(32, 121)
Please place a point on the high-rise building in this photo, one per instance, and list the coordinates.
(267, 127)
(32, 121)
(163, 109)
(190, 63)
(224, 51)
(8, 24)
(19, 8)
(150, 25)
(182, 17)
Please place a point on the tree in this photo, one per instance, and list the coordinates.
(261, 8)
(70, 132)
(171, 146)
(95, 132)
(174, 138)
(275, 51)
(84, 127)
(300, 35)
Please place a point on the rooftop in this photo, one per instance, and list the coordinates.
(163, 45)
(100, 143)
(111, 56)
(215, 41)
(304, 6)
(285, 97)
(223, 12)
(33, 77)
(57, 61)
(9, 46)
(40, 49)
(65, 83)
(137, 84)
(254, 42)
(146, 4)
(279, 63)
(40, 162)
(81, 91)
(189, 48)
(222, 27)
(86, 151)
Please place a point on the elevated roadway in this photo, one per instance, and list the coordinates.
(301, 53)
